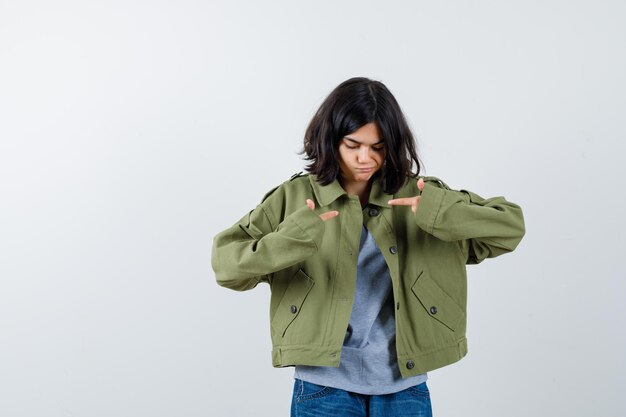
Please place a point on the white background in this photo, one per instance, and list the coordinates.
(132, 132)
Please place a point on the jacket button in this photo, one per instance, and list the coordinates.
(410, 365)
(393, 250)
(293, 309)
(433, 310)
(374, 212)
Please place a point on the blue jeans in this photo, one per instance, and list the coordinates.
(312, 400)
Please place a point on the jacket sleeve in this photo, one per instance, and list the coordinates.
(488, 227)
(255, 247)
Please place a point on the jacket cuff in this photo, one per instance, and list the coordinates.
(309, 222)
(428, 209)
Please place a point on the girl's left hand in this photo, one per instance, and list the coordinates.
(409, 201)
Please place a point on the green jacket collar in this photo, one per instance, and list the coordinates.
(326, 194)
(378, 195)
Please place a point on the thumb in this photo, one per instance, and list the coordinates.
(420, 184)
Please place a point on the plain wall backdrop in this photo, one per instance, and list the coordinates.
(132, 132)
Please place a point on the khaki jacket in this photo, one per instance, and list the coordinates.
(311, 265)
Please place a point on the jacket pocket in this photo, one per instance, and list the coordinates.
(291, 303)
(439, 305)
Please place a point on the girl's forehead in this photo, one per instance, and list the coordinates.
(368, 134)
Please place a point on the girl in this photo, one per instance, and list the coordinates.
(366, 261)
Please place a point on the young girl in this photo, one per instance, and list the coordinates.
(365, 260)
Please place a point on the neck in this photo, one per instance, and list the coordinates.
(358, 188)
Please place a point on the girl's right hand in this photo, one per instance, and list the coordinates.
(323, 216)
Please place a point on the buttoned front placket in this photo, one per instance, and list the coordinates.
(378, 218)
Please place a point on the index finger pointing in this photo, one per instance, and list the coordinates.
(329, 215)
(407, 201)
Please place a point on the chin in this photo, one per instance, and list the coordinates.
(363, 177)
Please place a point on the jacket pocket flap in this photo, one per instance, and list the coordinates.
(291, 303)
(437, 303)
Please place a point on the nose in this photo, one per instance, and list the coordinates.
(364, 154)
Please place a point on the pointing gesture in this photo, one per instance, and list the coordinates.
(409, 201)
(323, 216)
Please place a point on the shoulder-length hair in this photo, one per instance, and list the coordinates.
(352, 104)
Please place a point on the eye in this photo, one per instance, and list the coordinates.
(351, 147)
(379, 148)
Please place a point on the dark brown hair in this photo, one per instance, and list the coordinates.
(352, 104)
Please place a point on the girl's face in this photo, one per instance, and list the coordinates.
(361, 153)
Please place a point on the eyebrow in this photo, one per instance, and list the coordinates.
(360, 143)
